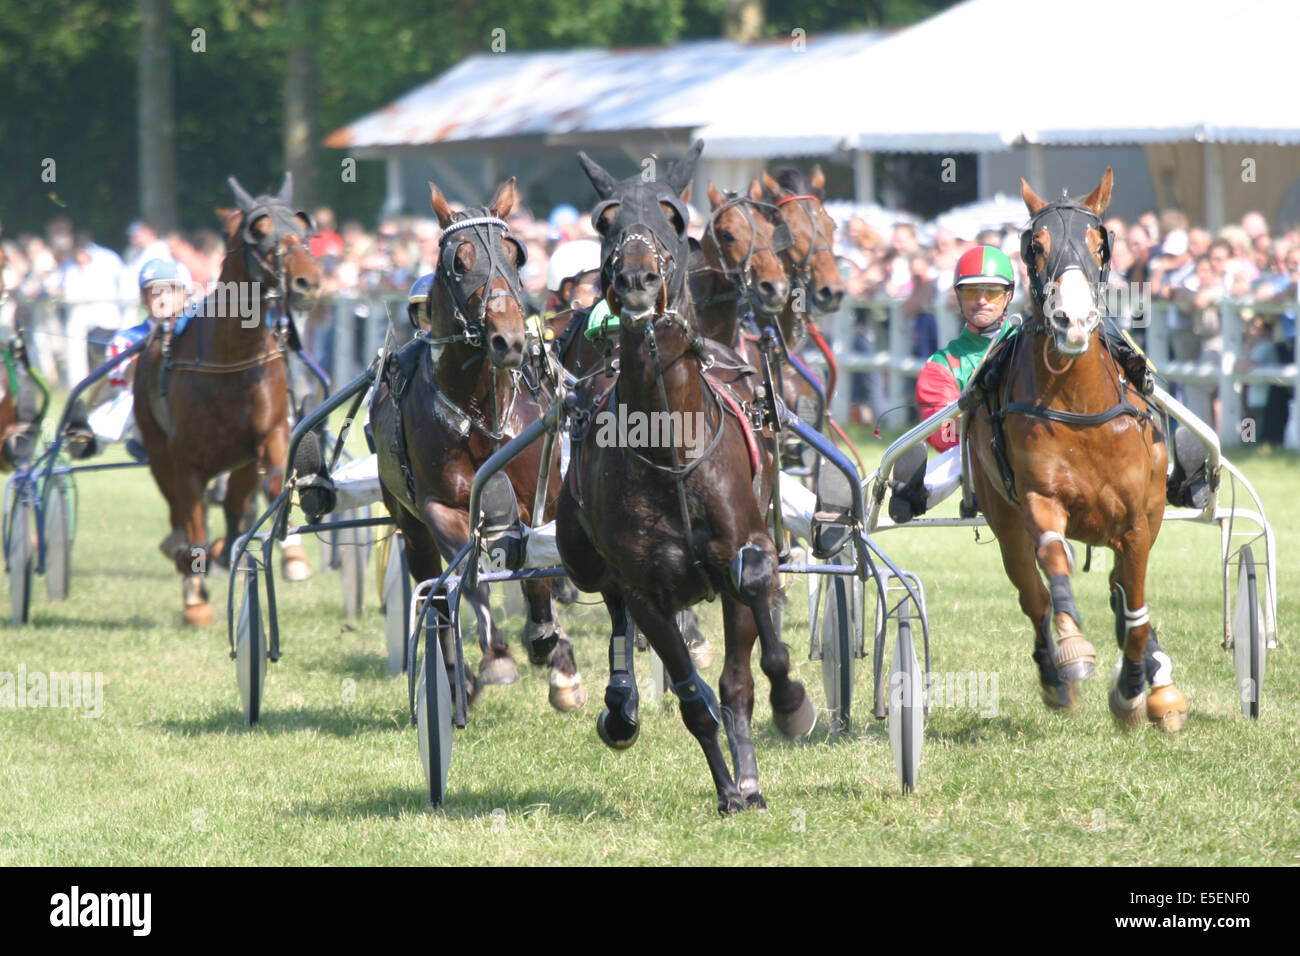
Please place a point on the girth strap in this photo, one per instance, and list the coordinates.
(1122, 407)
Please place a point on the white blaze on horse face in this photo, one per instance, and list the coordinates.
(1072, 299)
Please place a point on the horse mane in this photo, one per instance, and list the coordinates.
(794, 181)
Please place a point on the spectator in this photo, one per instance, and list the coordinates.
(90, 289)
(326, 242)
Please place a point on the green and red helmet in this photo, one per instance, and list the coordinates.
(984, 264)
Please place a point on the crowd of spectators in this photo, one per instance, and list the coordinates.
(66, 289)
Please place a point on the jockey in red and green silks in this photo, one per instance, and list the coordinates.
(984, 280)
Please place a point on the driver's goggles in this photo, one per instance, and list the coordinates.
(975, 291)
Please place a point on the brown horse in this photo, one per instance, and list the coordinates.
(214, 399)
(816, 286)
(658, 529)
(1065, 448)
(436, 420)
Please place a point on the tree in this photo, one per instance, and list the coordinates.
(156, 124)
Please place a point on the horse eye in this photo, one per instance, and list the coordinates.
(726, 236)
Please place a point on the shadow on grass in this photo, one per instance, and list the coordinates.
(42, 620)
(338, 722)
(467, 804)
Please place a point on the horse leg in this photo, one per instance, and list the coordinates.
(450, 529)
(240, 487)
(1045, 520)
(700, 710)
(545, 641)
(737, 690)
(192, 562)
(696, 642)
(293, 556)
(619, 725)
(1019, 561)
(1144, 662)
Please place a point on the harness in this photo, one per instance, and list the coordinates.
(741, 278)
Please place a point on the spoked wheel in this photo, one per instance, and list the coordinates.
(433, 696)
(250, 647)
(58, 543)
(837, 645)
(351, 543)
(397, 602)
(20, 552)
(1248, 641)
(906, 706)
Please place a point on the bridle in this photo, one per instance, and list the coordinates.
(485, 233)
(741, 276)
(1068, 251)
(802, 269)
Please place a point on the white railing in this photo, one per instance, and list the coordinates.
(901, 368)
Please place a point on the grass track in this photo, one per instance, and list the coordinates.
(170, 776)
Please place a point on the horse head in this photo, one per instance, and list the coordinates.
(746, 247)
(644, 248)
(810, 254)
(1066, 250)
(274, 237)
(479, 295)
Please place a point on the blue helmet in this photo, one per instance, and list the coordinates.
(163, 270)
(417, 301)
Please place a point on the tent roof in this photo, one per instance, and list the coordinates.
(989, 74)
(573, 92)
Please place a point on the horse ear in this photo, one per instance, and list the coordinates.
(601, 180)
(772, 185)
(1031, 198)
(286, 190)
(755, 190)
(242, 199)
(231, 220)
(818, 181)
(715, 197)
(680, 176)
(440, 207)
(1099, 198)
(505, 199)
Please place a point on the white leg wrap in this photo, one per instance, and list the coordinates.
(1050, 536)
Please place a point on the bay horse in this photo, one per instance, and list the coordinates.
(436, 420)
(215, 399)
(658, 529)
(1065, 448)
(816, 286)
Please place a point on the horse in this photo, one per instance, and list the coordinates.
(436, 420)
(1063, 447)
(816, 287)
(215, 398)
(655, 534)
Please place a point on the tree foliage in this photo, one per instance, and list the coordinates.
(68, 82)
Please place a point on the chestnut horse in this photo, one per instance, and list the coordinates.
(436, 424)
(658, 529)
(215, 399)
(1063, 447)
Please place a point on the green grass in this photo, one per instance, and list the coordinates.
(169, 775)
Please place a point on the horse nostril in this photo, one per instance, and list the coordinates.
(652, 280)
(499, 344)
(621, 284)
(303, 284)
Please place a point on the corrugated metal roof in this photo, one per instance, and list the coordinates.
(508, 95)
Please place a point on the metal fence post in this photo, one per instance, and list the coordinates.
(1229, 398)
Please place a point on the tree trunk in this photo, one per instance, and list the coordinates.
(156, 117)
(302, 102)
(744, 20)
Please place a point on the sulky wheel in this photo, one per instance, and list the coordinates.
(1248, 641)
(250, 646)
(58, 542)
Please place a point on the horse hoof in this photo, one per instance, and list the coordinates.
(1127, 713)
(539, 639)
(1076, 659)
(701, 653)
(567, 692)
(197, 615)
(1167, 708)
(799, 722)
(731, 802)
(293, 563)
(608, 739)
(755, 801)
(1064, 697)
(499, 670)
